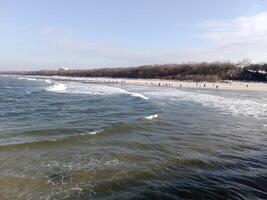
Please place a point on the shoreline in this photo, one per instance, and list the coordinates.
(223, 85)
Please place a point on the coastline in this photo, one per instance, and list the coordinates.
(223, 85)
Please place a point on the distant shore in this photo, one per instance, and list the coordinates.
(222, 85)
(191, 72)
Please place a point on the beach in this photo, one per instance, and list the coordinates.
(222, 85)
(133, 100)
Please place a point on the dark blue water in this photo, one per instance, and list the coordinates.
(76, 140)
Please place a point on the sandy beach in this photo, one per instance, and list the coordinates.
(223, 85)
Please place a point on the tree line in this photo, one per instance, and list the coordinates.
(188, 71)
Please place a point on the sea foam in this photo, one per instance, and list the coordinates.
(234, 105)
(90, 133)
(151, 117)
(49, 81)
(27, 78)
(56, 88)
(91, 89)
(138, 95)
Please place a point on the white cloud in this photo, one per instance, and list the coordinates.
(239, 30)
(241, 37)
(234, 40)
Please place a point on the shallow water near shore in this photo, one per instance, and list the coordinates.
(75, 140)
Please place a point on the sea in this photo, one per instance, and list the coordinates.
(81, 140)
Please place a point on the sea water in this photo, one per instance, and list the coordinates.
(77, 140)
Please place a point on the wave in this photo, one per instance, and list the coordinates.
(151, 117)
(39, 138)
(84, 88)
(233, 105)
(139, 95)
(32, 142)
(27, 78)
(56, 88)
(91, 133)
(49, 81)
(91, 89)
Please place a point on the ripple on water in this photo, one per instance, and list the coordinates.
(130, 146)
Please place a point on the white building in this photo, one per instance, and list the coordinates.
(63, 69)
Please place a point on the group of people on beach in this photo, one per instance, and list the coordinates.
(204, 85)
(167, 84)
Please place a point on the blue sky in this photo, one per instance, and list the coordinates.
(49, 34)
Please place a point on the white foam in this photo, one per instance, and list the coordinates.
(112, 162)
(234, 105)
(86, 163)
(35, 79)
(48, 81)
(27, 78)
(139, 95)
(56, 88)
(77, 189)
(92, 89)
(90, 133)
(151, 117)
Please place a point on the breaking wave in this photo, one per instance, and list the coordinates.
(235, 106)
(49, 81)
(92, 89)
(151, 117)
(90, 133)
(27, 78)
(139, 95)
(56, 88)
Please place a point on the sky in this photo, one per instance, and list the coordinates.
(38, 34)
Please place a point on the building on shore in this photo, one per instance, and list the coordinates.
(63, 69)
(254, 75)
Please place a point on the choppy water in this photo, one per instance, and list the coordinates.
(74, 140)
